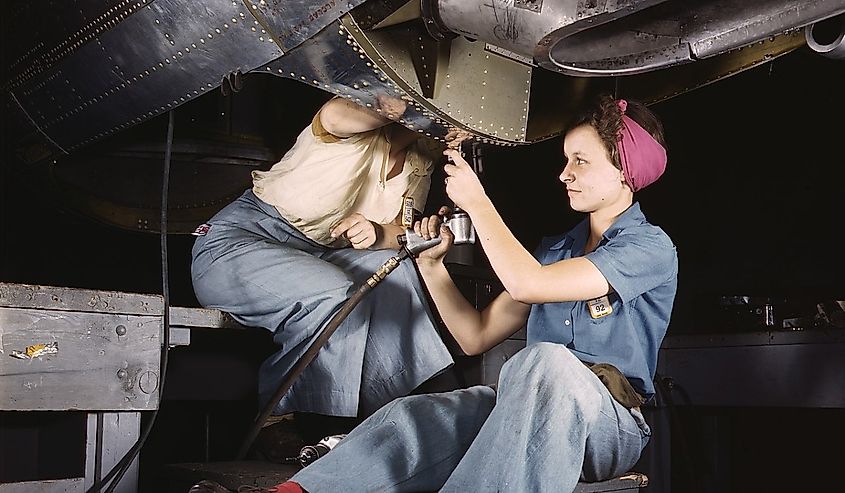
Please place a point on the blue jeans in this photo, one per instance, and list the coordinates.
(551, 423)
(256, 266)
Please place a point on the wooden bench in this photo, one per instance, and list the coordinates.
(92, 358)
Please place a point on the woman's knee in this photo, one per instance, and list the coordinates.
(475, 400)
(261, 277)
(546, 365)
(400, 410)
(543, 357)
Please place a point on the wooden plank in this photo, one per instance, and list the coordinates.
(71, 485)
(120, 432)
(97, 301)
(75, 299)
(202, 318)
(103, 362)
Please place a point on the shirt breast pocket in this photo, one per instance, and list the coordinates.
(593, 335)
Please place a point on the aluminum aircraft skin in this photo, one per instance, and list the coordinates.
(94, 68)
(508, 71)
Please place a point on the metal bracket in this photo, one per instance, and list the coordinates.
(232, 82)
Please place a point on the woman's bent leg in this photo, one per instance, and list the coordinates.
(551, 409)
(404, 347)
(411, 444)
(276, 283)
(268, 278)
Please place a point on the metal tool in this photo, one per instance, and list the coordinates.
(458, 222)
(310, 453)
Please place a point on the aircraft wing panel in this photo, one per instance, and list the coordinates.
(155, 59)
(508, 71)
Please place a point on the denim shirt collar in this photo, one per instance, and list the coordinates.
(630, 217)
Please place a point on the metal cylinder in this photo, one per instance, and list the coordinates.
(827, 37)
(461, 226)
(310, 453)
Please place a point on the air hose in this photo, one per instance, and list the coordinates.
(411, 244)
(321, 340)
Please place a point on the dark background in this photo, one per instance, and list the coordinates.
(752, 198)
(751, 195)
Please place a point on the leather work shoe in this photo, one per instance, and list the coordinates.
(279, 442)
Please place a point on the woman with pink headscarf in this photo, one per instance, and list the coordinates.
(597, 302)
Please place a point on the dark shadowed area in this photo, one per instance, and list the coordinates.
(752, 198)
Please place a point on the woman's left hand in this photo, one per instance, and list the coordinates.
(462, 184)
(360, 231)
(432, 227)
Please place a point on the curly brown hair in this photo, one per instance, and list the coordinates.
(605, 117)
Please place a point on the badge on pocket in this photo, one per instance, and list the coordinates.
(600, 307)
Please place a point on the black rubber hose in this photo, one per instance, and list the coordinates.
(119, 470)
(318, 344)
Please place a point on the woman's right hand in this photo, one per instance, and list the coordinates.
(432, 227)
(462, 184)
(391, 107)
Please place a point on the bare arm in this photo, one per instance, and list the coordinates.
(526, 280)
(343, 118)
(365, 234)
(475, 332)
(387, 234)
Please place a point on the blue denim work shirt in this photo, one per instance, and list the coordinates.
(640, 263)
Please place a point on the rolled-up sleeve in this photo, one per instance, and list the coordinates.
(636, 261)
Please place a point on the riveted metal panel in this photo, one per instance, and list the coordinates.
(59, 28)
(334, 62)
(344, 60)
(481, 91)
(87, 69)
(128, 69)
(294, 21)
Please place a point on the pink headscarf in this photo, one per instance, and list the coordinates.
(643, 158)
